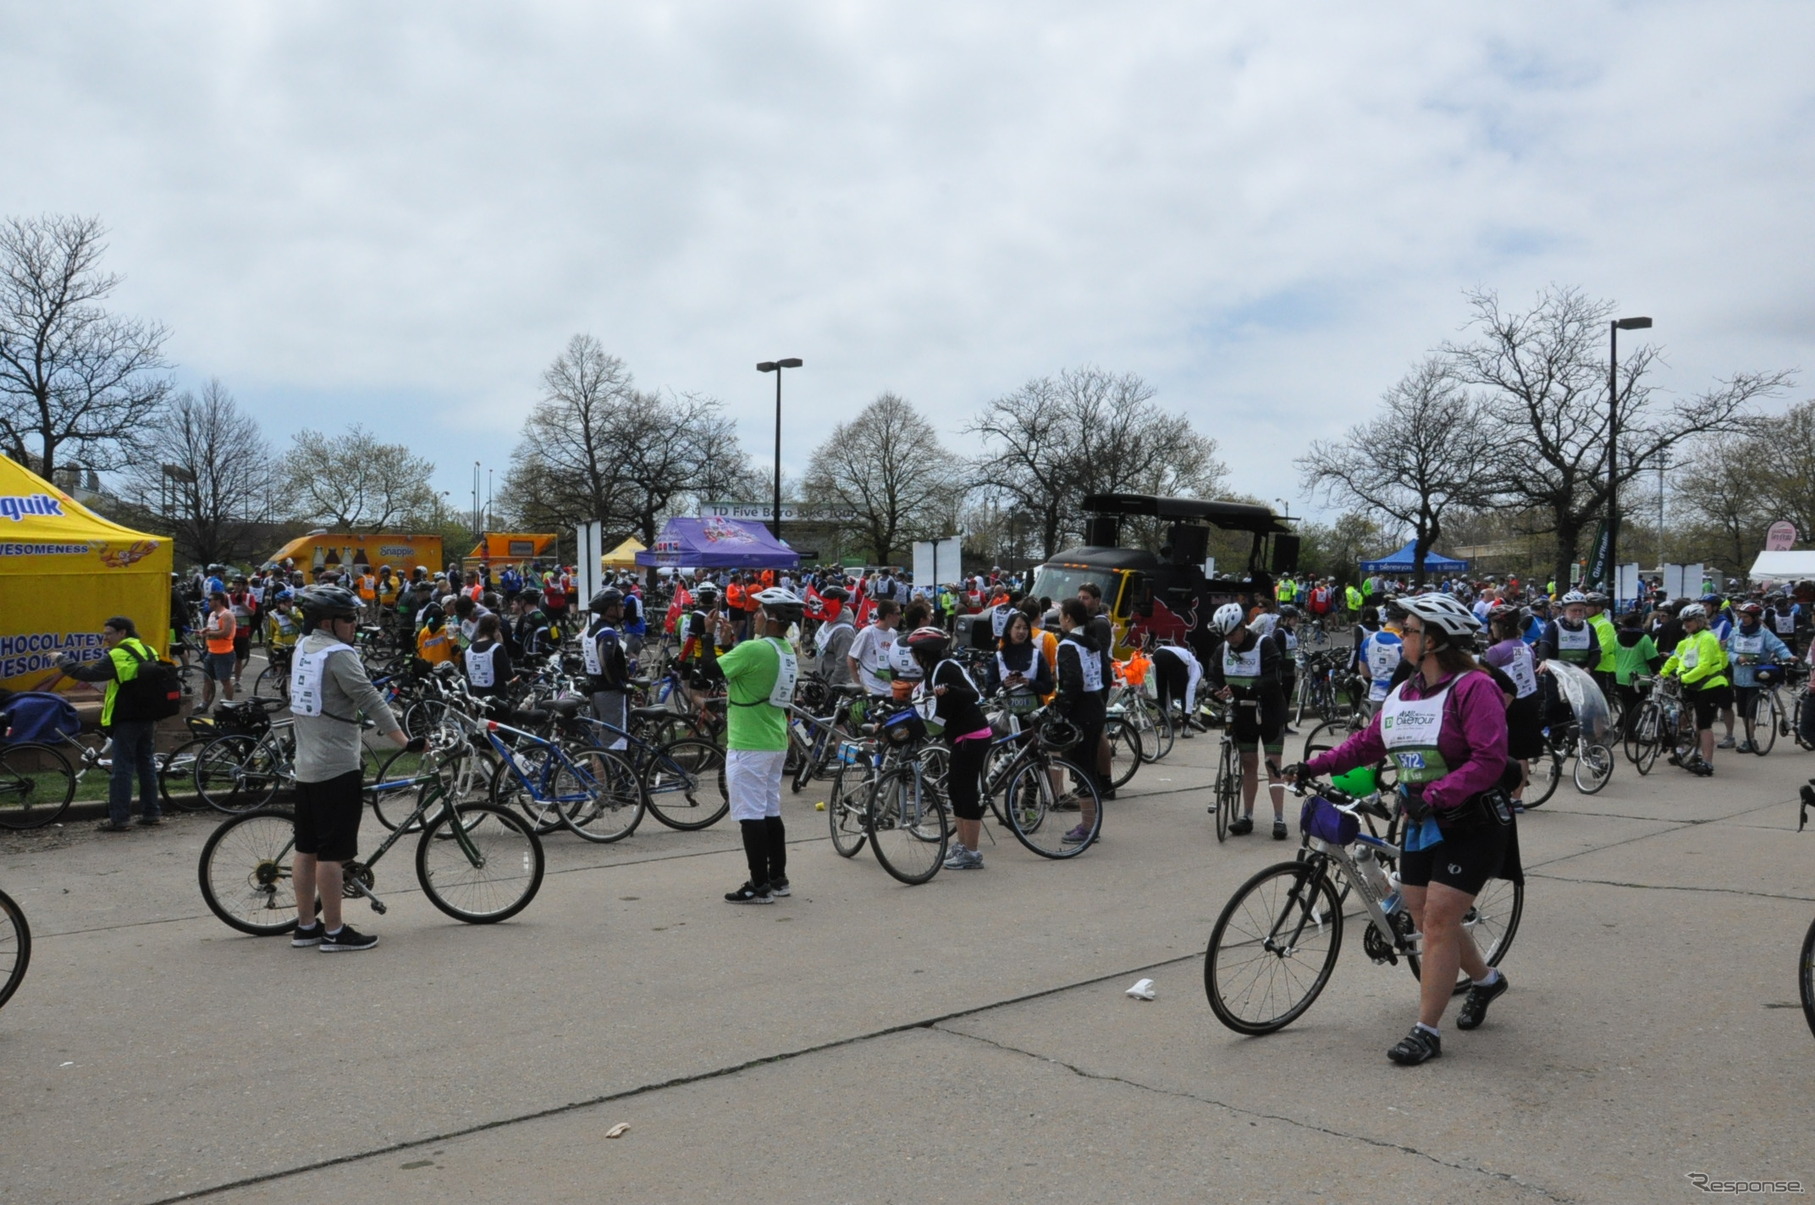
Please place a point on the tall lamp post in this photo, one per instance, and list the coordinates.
(775, 366)
(1613, 439)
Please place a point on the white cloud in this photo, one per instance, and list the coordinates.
(398, 214)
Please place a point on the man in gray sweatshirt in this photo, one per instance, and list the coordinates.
(328, 690)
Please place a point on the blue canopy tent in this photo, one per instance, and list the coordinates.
(1401, 562)
(717, 544)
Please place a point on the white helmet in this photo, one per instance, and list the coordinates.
(1228, 617)
(1574, 596)
(1693, 611)
(784, 606)
(1442, 612)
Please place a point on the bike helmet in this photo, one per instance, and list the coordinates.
(1228, 617)
(931, 641)
(605, 599)
(1595, 598)
(1444, 613)
(1059, 734)
(782, 606)
(1750, 608)
(1288, 611)
(1359, 782)
(1573, 597)
(1775, 596)
(1505, 611)
(707, 593)
(327, 602)
(1693, 611)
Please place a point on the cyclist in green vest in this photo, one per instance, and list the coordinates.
(1700, 664)
(134, 739)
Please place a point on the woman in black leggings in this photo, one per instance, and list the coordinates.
(967, 732)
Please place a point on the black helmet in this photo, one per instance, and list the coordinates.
(605, 599)
(327, 602)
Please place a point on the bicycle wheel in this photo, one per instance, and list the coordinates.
(683, 784)
(16, 947)
(508, 789)
(36, 785)
(1642, 737)
(235, 774)
(1034, 816)
(906, 823)
(1546, 773)
(485, 869)
(1162, 732)
(845, 809)
(1593, 768)
(273, 682)
(1228, 792)
(1805, 977)
(422, 717)
(602, 801)
(1124, 751)
(1273, 948)
(176, 777)
(245, 872)
(1491, 923)
(1764, 722)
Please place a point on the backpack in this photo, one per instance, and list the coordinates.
(154, 693)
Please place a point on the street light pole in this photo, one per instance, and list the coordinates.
(1613, 441)
(775, 366)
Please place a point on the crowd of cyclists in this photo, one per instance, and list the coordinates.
(1455, 690)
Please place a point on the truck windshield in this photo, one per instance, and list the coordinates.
(1060, 581)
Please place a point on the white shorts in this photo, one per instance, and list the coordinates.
(753, 780)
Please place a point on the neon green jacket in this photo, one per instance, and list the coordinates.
(1700, 661)
(1609, 638)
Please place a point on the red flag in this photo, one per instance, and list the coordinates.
(682, 600)
(815, 604)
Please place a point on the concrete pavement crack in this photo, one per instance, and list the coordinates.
(1764, 895)
(1298, 1123)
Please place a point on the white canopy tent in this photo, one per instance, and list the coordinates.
(1796, 565)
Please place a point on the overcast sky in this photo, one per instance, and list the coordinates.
(397, 214)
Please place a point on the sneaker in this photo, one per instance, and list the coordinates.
(108, 826)
(1701, 769)
(150, 821)
(1066, 803)
(1241, 826)
(963, 859)
(750, 893)
(1745, 747)
(1416, 1047)
(779, 888)
(1726, 742)
(308, 935)
(1076, 836)
(1279, 830)
(347, 939)
(1474, 1008)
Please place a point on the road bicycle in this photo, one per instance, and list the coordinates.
(273, 682)
(475, 862)
(1274, 946)
(240, 772)
(881, 794)
(1661, 721)
(1152, 726)
(1024, 777)
(1226, 796)
(15, 947)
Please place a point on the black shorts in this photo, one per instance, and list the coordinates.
(1743, 697)
(242, 644)
(1258, 727)
(1465, 859)
(327, 816)
(1708, 703)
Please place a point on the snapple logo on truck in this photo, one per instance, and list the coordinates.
(17, 506)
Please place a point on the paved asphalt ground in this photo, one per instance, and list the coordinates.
(964, 1040)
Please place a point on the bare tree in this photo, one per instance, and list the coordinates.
(1426, 452)
(1544, 376)
(76, 380)
(888, 466)
(354, 483)
(596, 448)
(1085, 431)
(208, 470)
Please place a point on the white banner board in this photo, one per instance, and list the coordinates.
(936, 562)
(592, 550)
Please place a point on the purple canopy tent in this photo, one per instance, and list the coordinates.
(717, 544)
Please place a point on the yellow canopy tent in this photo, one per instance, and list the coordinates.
(624, 556)
(64, 571)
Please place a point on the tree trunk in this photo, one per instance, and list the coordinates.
(1568, 535)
